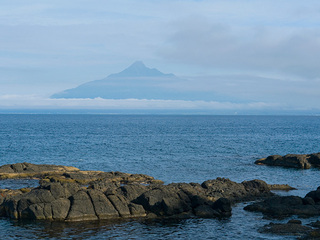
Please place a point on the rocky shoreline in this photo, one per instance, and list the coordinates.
(67, 194)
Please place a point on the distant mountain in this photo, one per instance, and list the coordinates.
(138, 69)
(138, 82)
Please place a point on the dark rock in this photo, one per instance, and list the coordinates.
(301, 161)
(205, 211)
(32, 205)
(314, 159)
(137, 210)
(222, 187)
(62, 195)
(308, 201)
(295, 221)
(286, 229)
(104, 185)
(132, 191)
(38, 211)
(315, 224)
(60, 209)
(272, 160)
(103, 208)
(256, 187)
(120, 204)
(223, 206)
(312, 235)
(296, 161)
(163, 201)
(81, 207)
(280, 207)
(236, 192)
(315, 195)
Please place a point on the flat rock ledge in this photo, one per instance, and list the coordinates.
(68, 194)
(301, 161)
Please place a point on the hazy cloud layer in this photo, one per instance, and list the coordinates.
(264, 50)
(253, 51)
(36, 102)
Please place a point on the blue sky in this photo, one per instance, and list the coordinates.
(264, 53)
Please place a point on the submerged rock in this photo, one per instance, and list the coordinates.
(293, 227)
(62, 196)
(301, 161)
(281, 187)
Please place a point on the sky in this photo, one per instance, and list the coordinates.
(259, 55)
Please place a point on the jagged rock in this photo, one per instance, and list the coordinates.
(289, 205)
(301, 161)
(236, 192)
(132, 191)
(61, 195)
(163, 201)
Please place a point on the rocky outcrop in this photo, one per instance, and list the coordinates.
(57, 173)
(292, 227)
(279, 207)
(236, 192)
(301, 161)
(281, 187)
(62, 196)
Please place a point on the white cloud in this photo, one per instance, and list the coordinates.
(290, 52)
(49, 46)
(36, 102)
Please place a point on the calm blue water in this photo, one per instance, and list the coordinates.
(170, 148)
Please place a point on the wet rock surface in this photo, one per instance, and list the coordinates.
(68, 194)
(301, 161)
(280, 207)
(292, 227)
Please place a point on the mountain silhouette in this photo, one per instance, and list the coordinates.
(138, 69)
(136, 82)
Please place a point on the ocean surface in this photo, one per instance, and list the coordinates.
(171, 148)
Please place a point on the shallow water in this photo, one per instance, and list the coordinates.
(170, 148)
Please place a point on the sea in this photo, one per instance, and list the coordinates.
(173, 148)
